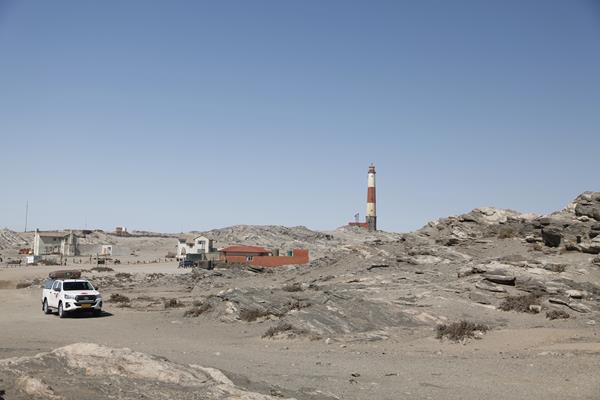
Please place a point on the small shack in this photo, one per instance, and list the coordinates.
(262, 257)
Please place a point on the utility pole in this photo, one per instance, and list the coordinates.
(26, 214)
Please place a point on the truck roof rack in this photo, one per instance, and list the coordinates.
(65, 274)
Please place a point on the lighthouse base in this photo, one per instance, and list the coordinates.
(371, 223)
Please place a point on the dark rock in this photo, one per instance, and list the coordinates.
(551, 236)
(555, 300)
(451, 242)
(373, 266)
(500, 279)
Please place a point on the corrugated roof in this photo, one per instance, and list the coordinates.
(245, 249)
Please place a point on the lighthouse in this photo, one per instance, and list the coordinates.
(371, 220)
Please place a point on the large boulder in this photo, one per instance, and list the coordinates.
(552, 236)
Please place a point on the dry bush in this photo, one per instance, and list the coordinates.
(274, 330)
(283, 327)
(102, 269)
(123, 275)
(252, 314)
(506, 232)
(458, 331)
(557, 314)
(172, 303)
(198, 309)
(145, 298)
(520, 303)
(118, 298)
(294, 287)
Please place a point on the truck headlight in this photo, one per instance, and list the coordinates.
(69, 297)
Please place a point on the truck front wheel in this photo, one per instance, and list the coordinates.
(61, 312)
(45, 308)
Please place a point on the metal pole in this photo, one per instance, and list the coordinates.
(26, 213)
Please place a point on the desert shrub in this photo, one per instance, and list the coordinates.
(145, 298)
(294, 287)
(172, 303)
(297, 304)
(555, 267)
(506, 232)
(48, 261)
(283, 327)
(123, 275)
(102, 269)
(118, 298)
(520, 303)
(458, 331)
(274, 330)
(23, 285)
(557, 314)
(252, 314)
(198, 309)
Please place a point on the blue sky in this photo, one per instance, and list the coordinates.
(180, 115)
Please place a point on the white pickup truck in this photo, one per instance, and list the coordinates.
(69, 295)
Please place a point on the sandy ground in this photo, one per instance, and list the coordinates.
(560, 360)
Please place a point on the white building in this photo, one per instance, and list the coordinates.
(199, 245)
(54, 243)
(106, 250)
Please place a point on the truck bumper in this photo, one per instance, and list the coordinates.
(72, 306)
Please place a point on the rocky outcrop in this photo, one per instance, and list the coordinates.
(320, 311)
(587, 205)
(91, 371)
(11, 239)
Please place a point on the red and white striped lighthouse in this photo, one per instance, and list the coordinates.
(371, 219)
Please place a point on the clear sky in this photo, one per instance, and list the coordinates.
(180, 115)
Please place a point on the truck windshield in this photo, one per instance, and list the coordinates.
(77, 286)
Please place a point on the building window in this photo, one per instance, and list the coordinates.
(249, 258)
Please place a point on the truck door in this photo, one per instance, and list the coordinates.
(54, 294)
